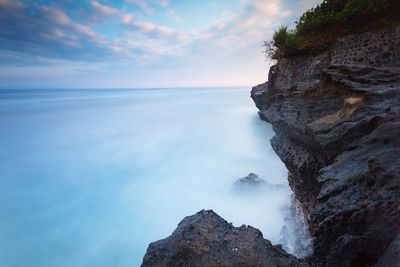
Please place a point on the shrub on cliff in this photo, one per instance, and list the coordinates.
(319, 26)
(284, 42)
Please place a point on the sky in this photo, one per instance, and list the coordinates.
(139, 43)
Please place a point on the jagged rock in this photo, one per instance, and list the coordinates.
(205, 239)
(337, 126)
(250, 180)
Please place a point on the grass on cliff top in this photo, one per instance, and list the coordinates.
(318, 27)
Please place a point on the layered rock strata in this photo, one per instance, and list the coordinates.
(336, 116)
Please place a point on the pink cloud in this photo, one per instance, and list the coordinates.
(82, 29)
(107, 10)
(157, 31)
(55, 15)
(126, 18)
(11, 4)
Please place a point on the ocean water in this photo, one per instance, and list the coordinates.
(91, 177)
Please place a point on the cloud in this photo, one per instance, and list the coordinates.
(256, 20)
(145, 5)
(11, 4)
(242, 32)
(149, 41)
(97, 32)
(157, 31)
(126, 18)
(173, 15)
(233, 41)
(84, 30)
(163, 2)
(107, 10)
(52, 33)
(53, 15)
(101, 10)
(47, 33)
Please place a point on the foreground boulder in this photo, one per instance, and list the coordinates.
(205, 239)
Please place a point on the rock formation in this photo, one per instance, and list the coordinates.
(336, 116)
(250, 180)
(205, 239)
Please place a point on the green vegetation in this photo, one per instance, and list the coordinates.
(319, 26)
(284, 42)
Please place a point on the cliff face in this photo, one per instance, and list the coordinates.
(336, 116)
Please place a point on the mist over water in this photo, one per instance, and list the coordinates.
(91, 177)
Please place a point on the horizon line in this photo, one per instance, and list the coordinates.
(120, 88)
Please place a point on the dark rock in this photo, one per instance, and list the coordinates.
(392, 254)
(337, 126)
(205, 239)
(250, 180)
(253, 184)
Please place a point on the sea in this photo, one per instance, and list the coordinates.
(89, 177)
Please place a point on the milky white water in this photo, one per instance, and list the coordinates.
(90, 177)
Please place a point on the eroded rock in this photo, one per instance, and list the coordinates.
(250, 180)
(337, 126)
(205, 239)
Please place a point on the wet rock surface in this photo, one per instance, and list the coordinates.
(205, 239)
(337, 126)
(250, 180)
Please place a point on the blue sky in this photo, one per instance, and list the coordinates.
(138, 43)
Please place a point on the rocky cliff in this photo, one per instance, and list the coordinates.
(336, 117)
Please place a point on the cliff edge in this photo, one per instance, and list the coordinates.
(336, 117)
